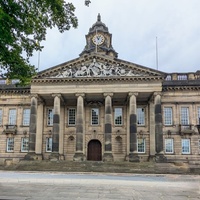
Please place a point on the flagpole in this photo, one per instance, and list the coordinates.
(38, 60)
(156, 53)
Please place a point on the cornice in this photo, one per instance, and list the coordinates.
(181, 88)
(15, 91)
(96, 80)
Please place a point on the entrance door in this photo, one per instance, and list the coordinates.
(94, 150)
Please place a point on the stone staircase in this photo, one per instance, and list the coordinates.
(105, 167)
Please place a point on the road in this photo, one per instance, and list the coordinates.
(64, 186)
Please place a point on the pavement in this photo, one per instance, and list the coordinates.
(59, 186)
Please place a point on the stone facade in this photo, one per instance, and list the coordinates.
(98, 107)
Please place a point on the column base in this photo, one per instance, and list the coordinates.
(133, 157)
(33, 156)
(79, 157)
(160, 158)
(108, 157)
(54, 156)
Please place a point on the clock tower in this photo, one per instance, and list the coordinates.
(99, 40)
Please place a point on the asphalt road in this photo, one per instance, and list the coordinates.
(61, 186)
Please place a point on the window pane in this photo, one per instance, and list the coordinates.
(168, 116)
(198, 122)
(141, 145)
(140, 116)
(10, 144)
(95, 116)
(50, 117)
(49, 145)
(12, 117)
(184, 116)
(26, 117)
(185, 146)
(169, 145)
(71, 116)
(1, 116)
(24, 145)
(118, 116)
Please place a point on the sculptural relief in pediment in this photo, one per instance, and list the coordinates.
(97, 69)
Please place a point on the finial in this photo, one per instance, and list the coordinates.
(99, 17)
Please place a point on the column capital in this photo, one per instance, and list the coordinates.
(157, 93)
(80, 94)
(105, 94)
(59, 95)
(133, 93)
(39, 99)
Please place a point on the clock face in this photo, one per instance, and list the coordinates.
(98, 39)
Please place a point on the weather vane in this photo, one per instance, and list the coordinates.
(87, 2)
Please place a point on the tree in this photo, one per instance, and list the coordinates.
(23, 25)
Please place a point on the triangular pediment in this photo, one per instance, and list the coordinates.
(97, 66)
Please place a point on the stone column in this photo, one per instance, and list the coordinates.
(152, 128)
(56, 127)
(108, 128)
(39, 130)
(80, 130)
(133, 155)
(61, 134)
(33, 124)
(158, 129)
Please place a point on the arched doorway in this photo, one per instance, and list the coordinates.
(94, 150)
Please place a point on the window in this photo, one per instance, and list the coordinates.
(50, 117)
(10, 144)
(141, 145)
(185, 146)
(49, 144)
(1, 116)
(199, 146)
(118, 116)
(95, 116)
(24, 144)
(72, 116)
(169, 145)
(184, 116)
(198, 121)
(167, 116)
(12, 117)
(140, 116)
(26, 117)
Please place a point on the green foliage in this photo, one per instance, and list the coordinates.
(23, 25)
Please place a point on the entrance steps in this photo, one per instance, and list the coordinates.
(106, 167)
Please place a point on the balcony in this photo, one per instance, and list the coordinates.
(186, 129)
(10, 129)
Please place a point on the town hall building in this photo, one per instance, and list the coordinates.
(98, 107)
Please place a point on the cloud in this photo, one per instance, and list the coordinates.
(134, 25)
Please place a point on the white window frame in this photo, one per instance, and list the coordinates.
(118, 116)
(12, 116)
(24, 144)
(168, 116)
(10, 144)
(185, 116)
(141, 147)
(72, 116)
(50, 112)
(169, 145)
(49, 143)
(140, 116)
(185, 145)
(26, 116)
(1, 116)
(95, 116)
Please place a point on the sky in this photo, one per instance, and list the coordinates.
(136, 27)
